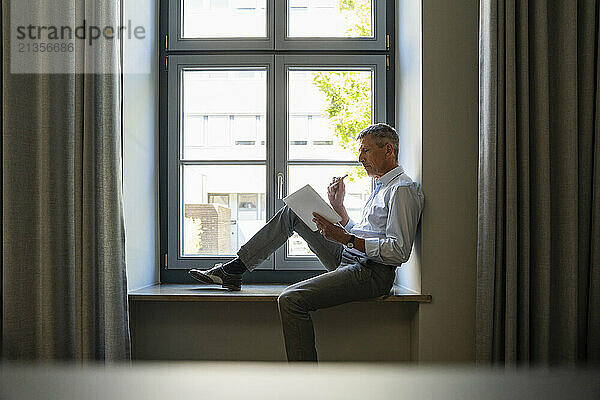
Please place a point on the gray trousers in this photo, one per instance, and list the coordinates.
(350, 278)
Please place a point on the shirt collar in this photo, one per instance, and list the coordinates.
(391, 174)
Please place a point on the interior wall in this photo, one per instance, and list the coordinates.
(140, 144)
(251, 331)
(409, 116)
(450, 155)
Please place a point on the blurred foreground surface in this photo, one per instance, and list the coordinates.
(291, 381)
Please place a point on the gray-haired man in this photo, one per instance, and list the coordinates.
(361, 257)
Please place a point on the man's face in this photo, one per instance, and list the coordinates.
(374, 158)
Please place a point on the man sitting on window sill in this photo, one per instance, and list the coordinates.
(361, 257)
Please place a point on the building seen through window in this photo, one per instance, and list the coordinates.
(224, 118)
(247, 18)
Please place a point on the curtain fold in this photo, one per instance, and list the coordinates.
(64, 280)
(538, 292)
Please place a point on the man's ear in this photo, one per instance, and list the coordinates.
(389, 150)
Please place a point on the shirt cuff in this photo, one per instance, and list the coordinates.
(372, 247)
(349, 225)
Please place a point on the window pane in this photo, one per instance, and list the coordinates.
(224, 19)
(244, 129)
(358, 189)
(330, 18)
(223, 113)
(298, 132)
(328, 109)
(196, 126)
(223, 206)
(218, 129)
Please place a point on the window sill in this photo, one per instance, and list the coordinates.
(250, 292)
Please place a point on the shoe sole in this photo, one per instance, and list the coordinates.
(206, 279)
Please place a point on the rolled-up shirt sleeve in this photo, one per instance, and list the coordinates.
(349, 225)
(404, 207)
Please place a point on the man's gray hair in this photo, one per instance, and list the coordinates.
(382, 134)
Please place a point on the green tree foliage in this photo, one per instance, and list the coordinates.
(357, 14)
(348, 93)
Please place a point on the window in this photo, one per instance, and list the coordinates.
(245, 128)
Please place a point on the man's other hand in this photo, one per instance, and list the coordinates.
(331, 232)
(336, 192)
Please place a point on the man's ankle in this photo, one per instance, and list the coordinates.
(235, 267)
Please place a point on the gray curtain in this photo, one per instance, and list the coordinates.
(538, 279)
(64, 291)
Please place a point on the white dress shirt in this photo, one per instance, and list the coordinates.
(389, 219)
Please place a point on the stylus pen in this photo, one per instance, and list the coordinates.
(338, 181)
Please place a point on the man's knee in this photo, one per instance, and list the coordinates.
(288, 212)
(289, 301)
(287, 217)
